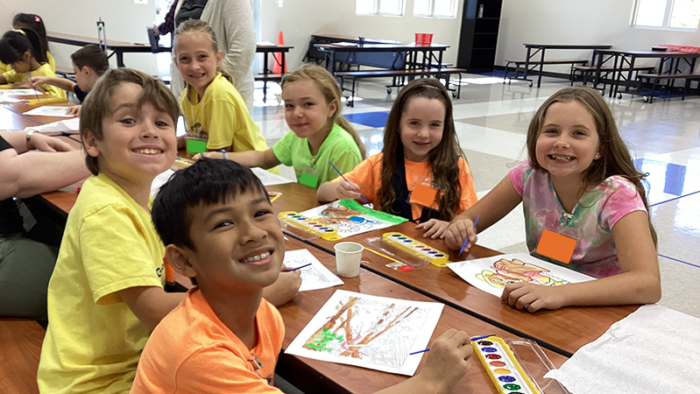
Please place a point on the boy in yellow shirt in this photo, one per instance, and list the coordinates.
(223, 337)
(106, 292)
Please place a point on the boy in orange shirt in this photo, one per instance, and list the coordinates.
(220, 229)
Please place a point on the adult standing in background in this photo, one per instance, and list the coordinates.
(232, 21)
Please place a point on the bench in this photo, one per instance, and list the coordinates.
(655, 78)
(586, 71)
(20, 349)
(268, 77)
(521, 63)
(440, 73)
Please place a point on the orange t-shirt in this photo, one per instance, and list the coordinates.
(192, 351)
(368, 176)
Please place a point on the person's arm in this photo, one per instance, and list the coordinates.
(150, 303)
(28, 175)
(341, 190)
(63, 83)
(639, 282)
(169, 23)
(446, 365)
(284, 289)
(240, 31)
(252, 158)
(492, 208)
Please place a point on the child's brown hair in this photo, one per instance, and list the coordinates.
(443, 160)
(97, 105)
(615, 158)
(91, 56)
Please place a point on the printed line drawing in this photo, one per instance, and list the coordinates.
(368, 331)
(347, 221)
(316, 276)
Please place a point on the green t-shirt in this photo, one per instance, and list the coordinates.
(339, 148)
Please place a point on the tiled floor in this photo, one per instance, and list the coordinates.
(491, 120)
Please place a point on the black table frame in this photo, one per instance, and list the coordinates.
(540, 48)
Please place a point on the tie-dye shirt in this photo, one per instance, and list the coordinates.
(590, 222)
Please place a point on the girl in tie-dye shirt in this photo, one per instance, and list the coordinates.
(578, 181)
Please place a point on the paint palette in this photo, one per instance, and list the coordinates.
(505, 371)
(44, 101)
(182, 162)
(415, 248)
(308, 225)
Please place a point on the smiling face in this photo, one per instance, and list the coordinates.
(568, 141)
(305, 108)
(138, 143)
(238, 244)
(196, 59)
(421, 127)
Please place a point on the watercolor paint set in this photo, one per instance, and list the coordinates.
(415, 248)
(516, 366)
(294, 221)
(183, 162)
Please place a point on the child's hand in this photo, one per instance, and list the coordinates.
(284, 289)
(37, 81)
(347, 191)
(208, 155)
(532, 297)
(49, 144)
(447, 360)
(434, 228)
(458, 231)
(74, 110)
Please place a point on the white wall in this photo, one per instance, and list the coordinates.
(298, 19)
(124, 21)
(577, 22)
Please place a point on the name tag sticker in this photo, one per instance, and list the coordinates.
(308, 180)
(196, 146)
(556, 246)
(423, 195)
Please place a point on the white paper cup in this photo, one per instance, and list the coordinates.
(347, 258)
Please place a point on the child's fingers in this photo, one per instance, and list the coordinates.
(440, 232)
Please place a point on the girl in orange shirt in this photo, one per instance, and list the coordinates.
(421, 174)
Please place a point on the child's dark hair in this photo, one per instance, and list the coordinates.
(205, 182)
(91, 56)
(615, 158)
(34, 22)
(443, 160)
(15, 43)
(98, 104)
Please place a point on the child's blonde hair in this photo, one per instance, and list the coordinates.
(98, 104)
(326, 83)
(615, 158)
(201, 26)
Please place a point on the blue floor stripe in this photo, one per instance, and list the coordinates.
(680, 261)
(673, 199)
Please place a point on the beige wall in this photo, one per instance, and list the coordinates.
(577, 22)
(298, 19)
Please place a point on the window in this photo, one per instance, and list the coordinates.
(379, 7)
(674, 14)
(436, 8)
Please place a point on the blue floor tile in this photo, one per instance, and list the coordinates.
(667, 179)
(371, 119)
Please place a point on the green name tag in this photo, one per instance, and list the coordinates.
(196, 146)
(308, 180)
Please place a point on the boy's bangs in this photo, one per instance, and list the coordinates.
(156, 96)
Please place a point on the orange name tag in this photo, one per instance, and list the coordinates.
(556, 246)
(424, 195)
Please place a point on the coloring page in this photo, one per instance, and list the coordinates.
(369, 332)
(350, 218)
(492, 274)
(20, 92)
(48, 110)
(269, 179)
(314, 277)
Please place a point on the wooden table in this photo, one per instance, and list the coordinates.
(313, 376)
(564, 330)
(20, 341)
(10, 120)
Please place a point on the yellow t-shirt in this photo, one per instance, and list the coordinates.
(4, 68)
(94, 341)
(44, 71)
(222, 116)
